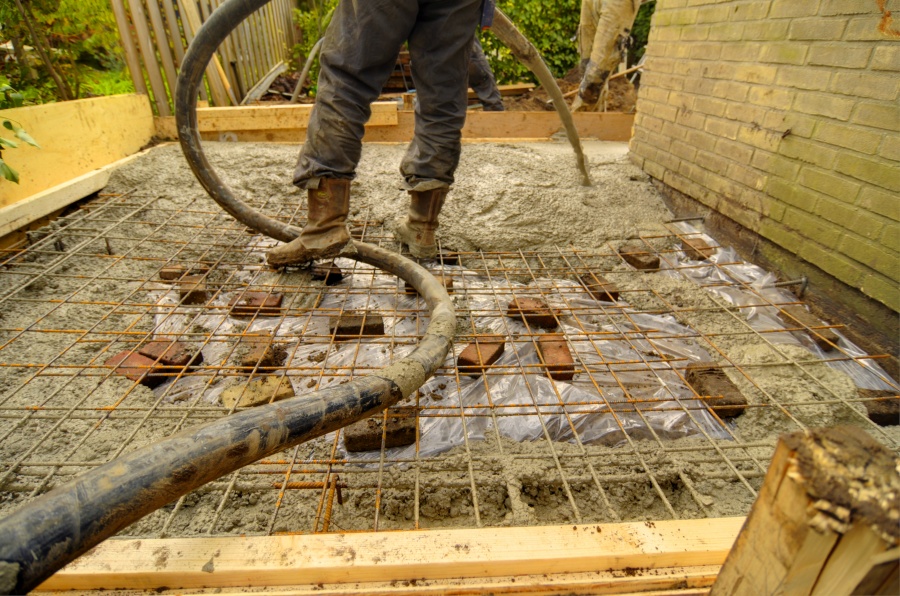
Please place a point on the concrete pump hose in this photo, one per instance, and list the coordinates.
(39, 538)
(527, 54)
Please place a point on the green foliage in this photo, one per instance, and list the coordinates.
(83, 46)
(312, 19)
(107, 82)
(640, 32)
(10, 98)
(549, 24)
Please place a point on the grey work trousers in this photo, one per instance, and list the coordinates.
(481, 80)
(358, 55)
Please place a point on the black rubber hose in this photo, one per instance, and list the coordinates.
(39, 538)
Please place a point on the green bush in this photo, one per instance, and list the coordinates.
(312, 19)
(83, 49)
(550, 25)
(640, 32)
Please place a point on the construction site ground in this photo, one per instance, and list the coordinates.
(88, 287)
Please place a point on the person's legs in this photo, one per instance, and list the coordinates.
(439, 48)
(359, 52)
(481, 80)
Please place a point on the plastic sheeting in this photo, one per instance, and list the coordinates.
(727, 276)
(614, 347)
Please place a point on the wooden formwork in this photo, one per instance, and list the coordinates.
(392, 124)
(610, 558)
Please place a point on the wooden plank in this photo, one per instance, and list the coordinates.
(42, 204)
(819, 526)
(76, 137)
(131, 53)
(162, 45)
(17, 215)
(191, 20)
(480, 126)
(508, 90)
(174, 32)
(276, 117)
(148, 52)
(263, 85)
(680, 581)
(397, 556)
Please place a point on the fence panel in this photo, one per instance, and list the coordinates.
(156, 33)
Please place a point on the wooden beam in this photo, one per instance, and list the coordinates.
(674, 581)
(148, 52)
(825, 521)
(17, 215)
(388, 125)
(76, 137)
(397, 556)
(131, 53)
(508, 90)
(260, 88)
(285, 118)
(42, 204)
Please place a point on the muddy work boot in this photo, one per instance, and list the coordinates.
(325, 234)
(418, 230)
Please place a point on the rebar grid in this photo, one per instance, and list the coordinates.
(89, 287)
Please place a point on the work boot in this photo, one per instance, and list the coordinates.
(418, 230)
(325, 234)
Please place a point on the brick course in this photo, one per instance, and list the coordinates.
(783, 116)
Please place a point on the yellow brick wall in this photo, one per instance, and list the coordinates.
(783, 115)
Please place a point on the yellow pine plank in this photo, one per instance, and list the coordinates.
(397, 556)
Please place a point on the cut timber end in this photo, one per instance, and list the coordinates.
(827, 520)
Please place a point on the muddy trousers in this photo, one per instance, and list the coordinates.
(481, 80)
(358, 55)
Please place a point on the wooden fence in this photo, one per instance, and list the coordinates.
(155, 34)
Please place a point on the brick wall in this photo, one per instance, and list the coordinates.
(783, 115)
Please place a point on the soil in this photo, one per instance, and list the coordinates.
(621, 97)
(506, 198)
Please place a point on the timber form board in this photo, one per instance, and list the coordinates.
(604, 558)
(388, 124)
(76, 138)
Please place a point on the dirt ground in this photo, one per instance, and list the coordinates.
(507, 197)
(621, 97)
